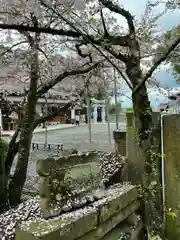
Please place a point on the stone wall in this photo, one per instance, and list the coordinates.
(109, 218)
(171, 138)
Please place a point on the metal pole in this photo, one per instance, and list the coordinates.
(116, 102)
(108, 120)
(88, 115)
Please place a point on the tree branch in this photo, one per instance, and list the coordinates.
(50, 116)
(9, 49)
(115, 40)
(126, 14)
(47, 30)
(156, 64)
(103, 20)
(64, 108)
(86, 40)
(28, 36)
(63, 75)
(84, 55)
(119, 55)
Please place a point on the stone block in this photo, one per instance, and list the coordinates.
(65, 180)
(122, 230)
(63, 229)
(88, 223)
(117, 204)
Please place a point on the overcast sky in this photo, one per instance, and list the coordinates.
(164, 76)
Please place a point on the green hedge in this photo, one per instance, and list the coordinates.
(129, 110)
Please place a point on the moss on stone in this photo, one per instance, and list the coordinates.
(61, 175)
(117, 204)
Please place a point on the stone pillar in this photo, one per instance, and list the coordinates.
(134, 152)
(72, 115)
(171, 139)
(120, 142)
(95, 113)
(120, 147)
(103, 114)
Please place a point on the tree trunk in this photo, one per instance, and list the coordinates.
(11, 151)
(3, 179)
(17, 182)
(149, 144)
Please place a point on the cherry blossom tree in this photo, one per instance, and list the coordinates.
(113, 33)
(35, 71)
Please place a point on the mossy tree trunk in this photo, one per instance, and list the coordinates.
(149, 143)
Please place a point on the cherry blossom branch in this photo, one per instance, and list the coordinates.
(28, 36)
(156, 64)
(50, 116)
(87, 40)
(116, 40)
(126, 14)
(84, 55)
(64, 108)
(65, 74)
(103, 20)
(10, 48)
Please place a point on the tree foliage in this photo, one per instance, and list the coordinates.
(174, 58)
(113, 108)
